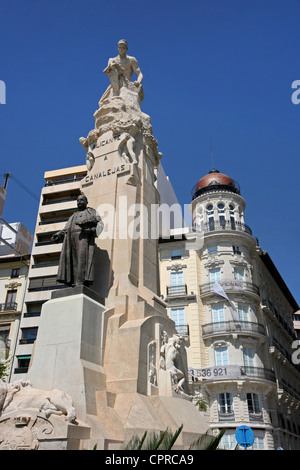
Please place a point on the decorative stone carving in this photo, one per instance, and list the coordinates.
(176, 267)
(152, 371)
(18, 433)
(120, 111)
(21, 396)
(171, 360)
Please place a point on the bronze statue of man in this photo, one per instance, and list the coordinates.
(76, 264)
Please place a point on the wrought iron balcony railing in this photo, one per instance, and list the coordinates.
(182, 330)
(230, 285)
(176, 291)
(231, 327)
(216, 225)
(9, 307)
(229, 416)
(231, 372)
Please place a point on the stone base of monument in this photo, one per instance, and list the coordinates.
(68, 353)
(30, 429)
(133, 414)
(107, 362)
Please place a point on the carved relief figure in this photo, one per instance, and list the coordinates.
(171, 360)
(76, 265)
(20, 395)
(152, 372)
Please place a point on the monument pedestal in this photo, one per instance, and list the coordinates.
(68, 353)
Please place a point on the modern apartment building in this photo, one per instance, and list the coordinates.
(236, 313)
(57, 203)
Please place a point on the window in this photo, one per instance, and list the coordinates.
(238, 274)
(248, 356)
(236, 250)
(225, 403)
(177, 278)
(23, 364)
(210, 217)
(232, 217)
(218, 317)
(4, 341)
(176, 254)
(44, 283)
(212, 250)
(221, 356)
(11, 297)
(178, 316)
(228, 441)
(243, 313)
(253, 403)
(214, 274)
(15, 272)
(258, 442)
(28, 335)
(221, 213)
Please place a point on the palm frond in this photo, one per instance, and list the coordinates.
(207, 441)
(169, 438)
(135, 442)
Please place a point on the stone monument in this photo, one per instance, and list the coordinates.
(110, 344)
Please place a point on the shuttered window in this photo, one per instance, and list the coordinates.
(41, 283)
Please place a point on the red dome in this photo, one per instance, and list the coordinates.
(214, 177)
(215, 181)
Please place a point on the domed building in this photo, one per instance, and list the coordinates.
(236, 313)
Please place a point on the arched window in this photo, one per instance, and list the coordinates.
(210, 217)
(232, 217)
(221, 213)
(221, 356)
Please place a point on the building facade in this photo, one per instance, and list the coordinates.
(236, 314)
(57, 204)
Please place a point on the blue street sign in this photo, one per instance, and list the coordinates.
(244, 436)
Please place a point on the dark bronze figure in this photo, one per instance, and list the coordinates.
(76, 265)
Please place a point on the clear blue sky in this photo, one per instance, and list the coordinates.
(212, 68)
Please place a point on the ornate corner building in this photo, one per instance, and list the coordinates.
(236, 313)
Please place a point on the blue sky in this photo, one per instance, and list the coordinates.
(219, 69)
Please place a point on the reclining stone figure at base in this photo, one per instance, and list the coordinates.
(20, 395)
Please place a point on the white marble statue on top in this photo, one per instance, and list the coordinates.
(123, 65)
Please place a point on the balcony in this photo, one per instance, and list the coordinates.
(231, 372)
(217, 226)
(228, 416)
(258, 416)
(230, 285)
(182, 330)
(65, 180)
(177, 291)
(8, 307)
(227, 327)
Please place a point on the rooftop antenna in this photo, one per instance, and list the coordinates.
(6, 178)
(211, 153)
